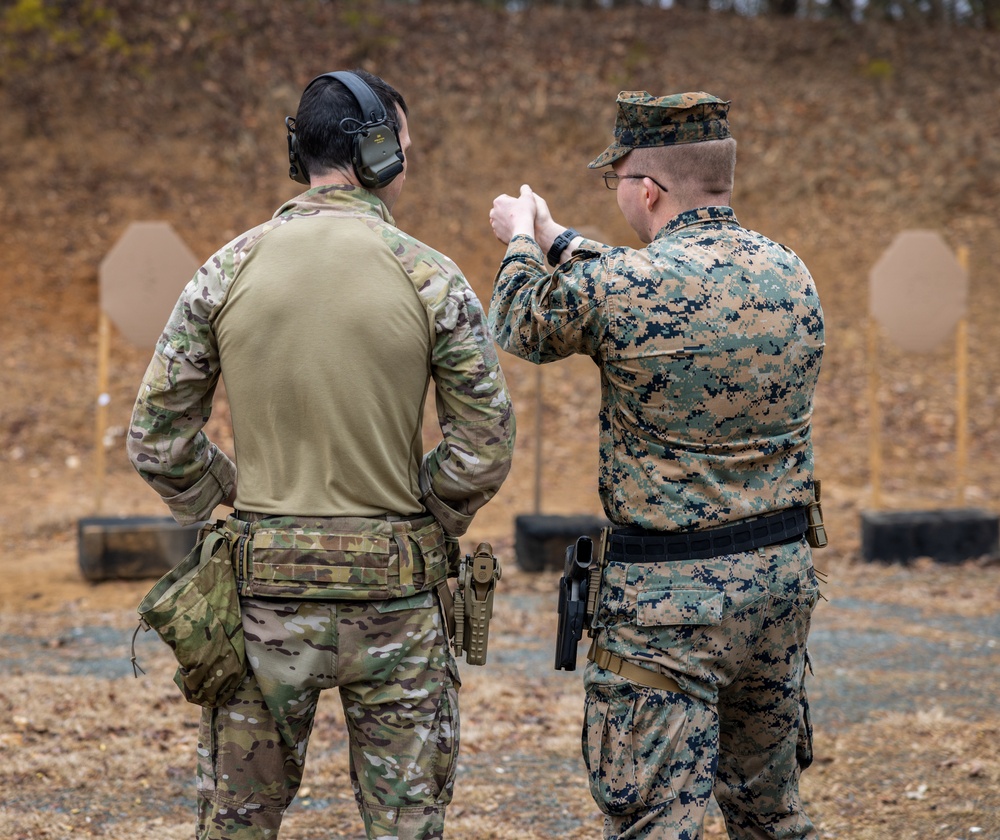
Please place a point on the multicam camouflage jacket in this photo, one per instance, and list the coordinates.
(167, 443)
(709, 343)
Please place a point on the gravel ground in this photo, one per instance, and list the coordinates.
(903, 695)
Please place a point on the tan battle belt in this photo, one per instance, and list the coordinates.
(629, 671)
(349, 558)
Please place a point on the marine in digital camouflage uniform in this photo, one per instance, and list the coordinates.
(328, 323)
(709, 342)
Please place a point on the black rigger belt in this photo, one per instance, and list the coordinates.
(637, 545)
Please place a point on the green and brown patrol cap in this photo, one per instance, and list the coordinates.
(646, 120)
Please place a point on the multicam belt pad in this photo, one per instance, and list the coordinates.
(350, 558)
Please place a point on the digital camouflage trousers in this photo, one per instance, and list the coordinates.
(731, 631)
(398, 684)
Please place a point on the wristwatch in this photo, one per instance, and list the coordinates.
(559, 244)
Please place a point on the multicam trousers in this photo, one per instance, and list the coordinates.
(398, 685)
(732, 633)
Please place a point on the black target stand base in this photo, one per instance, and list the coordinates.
(946, 536)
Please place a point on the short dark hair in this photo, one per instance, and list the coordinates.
(694, 172)
(323, 144)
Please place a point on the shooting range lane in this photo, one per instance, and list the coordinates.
(868, 657)
(891, 646)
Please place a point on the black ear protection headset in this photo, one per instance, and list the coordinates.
(376, 155)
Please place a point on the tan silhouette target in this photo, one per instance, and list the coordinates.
(918, 296)
(918, 290)
(139, 282)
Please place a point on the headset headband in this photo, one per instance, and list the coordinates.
(372, 109)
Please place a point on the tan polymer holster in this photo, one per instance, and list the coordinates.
(469, 609)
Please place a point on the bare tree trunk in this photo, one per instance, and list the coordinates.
(842, 9)
(988, 11)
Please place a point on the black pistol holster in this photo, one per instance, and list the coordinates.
(579, 588)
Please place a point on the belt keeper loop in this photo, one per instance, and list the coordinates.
(405, 553)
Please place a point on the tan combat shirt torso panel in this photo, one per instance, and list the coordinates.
(325, 350)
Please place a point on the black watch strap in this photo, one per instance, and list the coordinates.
(559, 244)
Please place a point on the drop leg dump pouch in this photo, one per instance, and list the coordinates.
(195, 609)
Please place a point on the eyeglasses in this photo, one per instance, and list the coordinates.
(612, 179)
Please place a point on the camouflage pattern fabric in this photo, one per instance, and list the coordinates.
(389, 656)
(732, 632)
(709, 343)
(167, 444)
(195, 609)
(398, 684)
(646, 120)
(353, 558)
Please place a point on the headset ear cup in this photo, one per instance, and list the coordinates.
(296, 168)
(378, 158)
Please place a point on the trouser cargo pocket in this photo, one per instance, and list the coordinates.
(629, 739)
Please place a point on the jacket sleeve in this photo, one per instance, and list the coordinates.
(474, 411)
(166, 442)
(541, 316)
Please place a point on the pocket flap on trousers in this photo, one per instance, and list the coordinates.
(665, 607)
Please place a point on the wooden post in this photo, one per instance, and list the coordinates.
(101, 422)
(875, 416)
(539, 411)
(962, 393)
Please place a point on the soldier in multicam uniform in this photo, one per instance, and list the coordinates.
(709, 343)
(328, 323)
